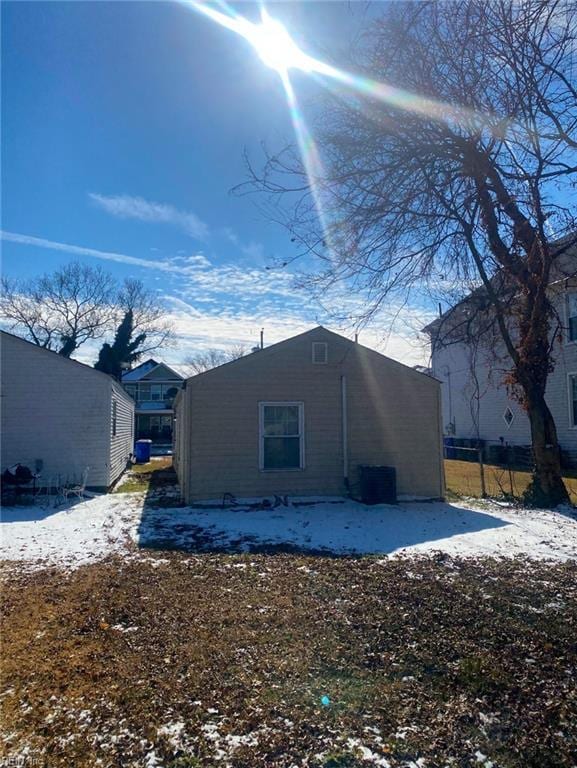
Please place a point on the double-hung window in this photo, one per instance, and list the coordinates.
(572, 381)
(281, 435)
(572, 316)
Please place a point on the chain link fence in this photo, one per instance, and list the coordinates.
(500, 469)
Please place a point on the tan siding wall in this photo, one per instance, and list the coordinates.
(393, 419)
(121, 444)
(54, 410)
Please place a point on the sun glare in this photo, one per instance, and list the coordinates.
(276, 47)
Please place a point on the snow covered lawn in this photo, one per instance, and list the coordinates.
(90, 530)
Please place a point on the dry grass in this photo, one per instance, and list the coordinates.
(147, 477)
(463, 479)
(435, 659)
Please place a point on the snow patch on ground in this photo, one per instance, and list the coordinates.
(72, 535)
(92, 529)
(462, 529)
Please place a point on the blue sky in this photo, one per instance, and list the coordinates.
(124, 126)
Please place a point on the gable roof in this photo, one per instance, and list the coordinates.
(66, 360)
(563, 268)
(145, 368)
(273, 348)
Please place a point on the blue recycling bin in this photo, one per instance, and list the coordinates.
(142, 451)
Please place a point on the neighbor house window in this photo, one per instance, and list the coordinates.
(281, 435)
(508, 416)
(320, 352)
(131, 390)
(572, 316)
(573, 399)
(114, 417)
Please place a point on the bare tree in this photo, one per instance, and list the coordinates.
(60, 311)
(212, 358)
(456, 171)
(150, 319)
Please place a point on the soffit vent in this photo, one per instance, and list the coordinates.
(320, 352)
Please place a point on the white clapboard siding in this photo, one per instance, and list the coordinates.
(121, 443)
(452, 366)
(56, 415)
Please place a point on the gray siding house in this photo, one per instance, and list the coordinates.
(476, 403)
(301, 416)
(60, 417)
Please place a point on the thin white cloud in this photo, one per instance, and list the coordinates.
(195, 261)
(225, 305)
(254, 251)
(129, 207)
(200, 328)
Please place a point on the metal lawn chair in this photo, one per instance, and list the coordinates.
(74, 489)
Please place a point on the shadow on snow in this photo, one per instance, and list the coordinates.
(29, 510)
(330, 527)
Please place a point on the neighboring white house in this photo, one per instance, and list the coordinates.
(153, 386)
(60, 417)
(476, 403)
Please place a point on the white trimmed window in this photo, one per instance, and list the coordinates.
(572, 316)
(114, 417)
(281, 435)
(572, 381)
(508, 416)
(320, 352)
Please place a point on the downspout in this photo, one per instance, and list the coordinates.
(345, 431)
(442, 477)
(188, 439)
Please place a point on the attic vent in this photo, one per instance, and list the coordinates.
(320, 352)
(508, 416)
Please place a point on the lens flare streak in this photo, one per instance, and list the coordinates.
(278, 50)
(310, 156)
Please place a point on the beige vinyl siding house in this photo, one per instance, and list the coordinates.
(60, 416)
(299, 418)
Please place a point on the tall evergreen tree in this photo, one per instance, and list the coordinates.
(123, 350)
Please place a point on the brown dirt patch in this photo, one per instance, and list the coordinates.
(222, 660)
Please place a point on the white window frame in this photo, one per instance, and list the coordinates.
(568, 339)
(114, 417)
(508, 424)
(141, 397)
(570, 376)
(158, 391)
(325, 346)
(261, 437)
